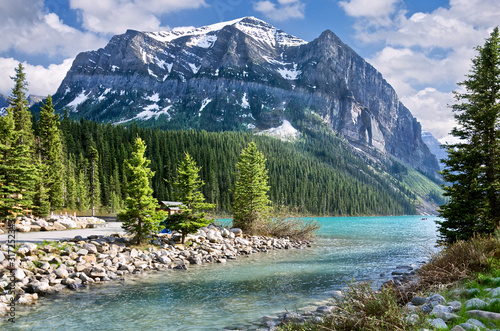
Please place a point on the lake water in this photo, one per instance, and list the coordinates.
(239, 292)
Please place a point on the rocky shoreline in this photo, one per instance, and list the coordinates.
(39, 271)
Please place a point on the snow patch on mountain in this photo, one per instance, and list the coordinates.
(290, 74)
(258, 29)
(285, 132)
(80, 98)
(202, 41)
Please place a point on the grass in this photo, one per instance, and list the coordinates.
(464, 270)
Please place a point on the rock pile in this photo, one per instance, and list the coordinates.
(55, 223)
(42, 270)
(442, 312)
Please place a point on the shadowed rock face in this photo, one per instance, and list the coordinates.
(242, 75)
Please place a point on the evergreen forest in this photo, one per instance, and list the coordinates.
(317, 175)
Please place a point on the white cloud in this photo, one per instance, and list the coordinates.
(41, 81)
(282, 10)
(116, 16)
(432, 109)
(25, 27)
(369, 8)
(424, 54)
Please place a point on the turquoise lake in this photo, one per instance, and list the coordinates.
(239, 292)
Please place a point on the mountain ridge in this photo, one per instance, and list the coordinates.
(246, 75)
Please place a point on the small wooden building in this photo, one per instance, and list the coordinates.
(172, 207)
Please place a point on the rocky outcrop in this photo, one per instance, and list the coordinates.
(244, 74)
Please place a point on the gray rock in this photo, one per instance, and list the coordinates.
(91, 248)
(435, 300)
(484, 314)
(40, 287)
(418, 301)
(495, 292)
(456, 305)
(27, 299)
(61, 272)
(82, 252)
(444, 312)
(457, 328)
(165, 259)
(19, 274)
(474, 303)
(438, 323)
(475, 322)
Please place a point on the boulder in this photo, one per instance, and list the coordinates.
(435, 300)
(82, 251)
(474, 303)
(457, 328)
(495, 292)
(61, 272)
(484, 314)
(438, 323)
(27, 299)
(22, 228)
(418, 301)
(475, 322)
(165, 259)
(67, 222)
(47, 228)
(40, 287)
(19, 274)
(35, 228)
(91, 248)
(58, 226)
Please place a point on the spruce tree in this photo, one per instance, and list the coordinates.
(251, 201)
(18, 174)
(95, 185)
(139, 217)
(50, 151)
(18, 103)
(473, 164)
(188, 185)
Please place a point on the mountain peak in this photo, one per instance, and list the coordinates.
(253, 27)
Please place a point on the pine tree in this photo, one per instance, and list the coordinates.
(139, 217)
(17, 171)
(18, 103)
(188, 185)
(95, 185)
(251, 201)
(50, 151)
(473, 165)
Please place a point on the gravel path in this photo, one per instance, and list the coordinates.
(39, 237)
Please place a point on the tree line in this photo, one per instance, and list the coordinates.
(79, 166)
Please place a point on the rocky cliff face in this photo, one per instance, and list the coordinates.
(242, 75)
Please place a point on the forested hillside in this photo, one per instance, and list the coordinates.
(319, 173)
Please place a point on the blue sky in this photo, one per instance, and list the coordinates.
(423, 48)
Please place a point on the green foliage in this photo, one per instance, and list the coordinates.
(251, 201)
(50, 152)
(18, 174)
(473, 165)
(139, 217)
(188, 185)
(18, 104)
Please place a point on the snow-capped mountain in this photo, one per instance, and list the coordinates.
(242, 75)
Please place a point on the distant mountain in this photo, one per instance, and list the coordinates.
(435, 147)
(4, 103)
(243, 75)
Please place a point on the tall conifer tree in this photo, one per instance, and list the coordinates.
(251, 200)
(51, 150)
(473, 165)
(139, 217)
(188, 185)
